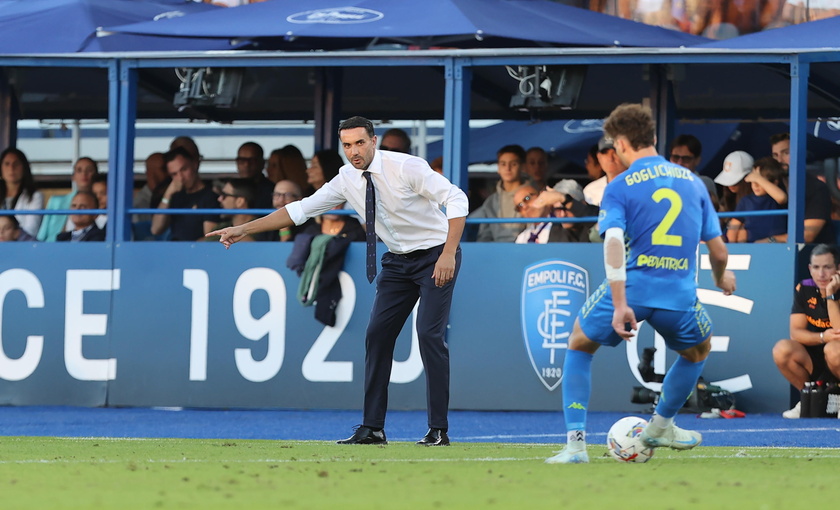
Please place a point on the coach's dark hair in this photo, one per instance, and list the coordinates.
(357, 122)
(822, 249)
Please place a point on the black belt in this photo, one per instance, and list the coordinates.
(417, 253)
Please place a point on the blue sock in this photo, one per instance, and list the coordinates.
(679, 382)
(577, 386)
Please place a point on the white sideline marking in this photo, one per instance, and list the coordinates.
(743, 453)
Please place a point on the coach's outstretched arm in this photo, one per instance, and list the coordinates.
(274, 221)
(718, 256)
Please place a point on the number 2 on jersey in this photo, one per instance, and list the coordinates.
(660, 235)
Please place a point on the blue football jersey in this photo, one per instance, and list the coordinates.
(664, 211)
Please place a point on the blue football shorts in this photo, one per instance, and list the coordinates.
(681, 329)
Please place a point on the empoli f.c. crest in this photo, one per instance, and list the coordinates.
(552, 293)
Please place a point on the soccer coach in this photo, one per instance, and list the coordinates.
(401, 199)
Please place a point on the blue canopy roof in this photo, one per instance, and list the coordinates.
(430, 22)
(68, 26)
(813, 34)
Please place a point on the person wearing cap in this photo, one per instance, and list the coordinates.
(735, 167)
(767, 195)
(532, 204)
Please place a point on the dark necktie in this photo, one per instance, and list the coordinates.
(370, 232)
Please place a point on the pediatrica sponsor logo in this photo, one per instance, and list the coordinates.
(336, 15)
(552, 293)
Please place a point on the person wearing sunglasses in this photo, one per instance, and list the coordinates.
(237, 194)
(395, 140)
(686, 151)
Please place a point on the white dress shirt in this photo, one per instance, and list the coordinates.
(30, 223)
(409, 196)
(542, 230)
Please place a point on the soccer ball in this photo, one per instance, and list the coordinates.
(623, 440)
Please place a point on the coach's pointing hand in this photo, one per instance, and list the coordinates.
(228, 235)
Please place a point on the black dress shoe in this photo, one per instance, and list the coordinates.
(435, 437)
(365, 435)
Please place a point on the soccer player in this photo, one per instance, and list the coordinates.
(652, 218)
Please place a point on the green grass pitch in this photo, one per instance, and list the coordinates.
(95, 473)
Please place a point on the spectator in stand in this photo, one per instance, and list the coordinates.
(323, 167)
(536, 167)
(189, 145)
(100, 190)
(396, 140)
(236, 194)
(18, 189)
(612, 166)
(767, 195)
(10, 230)
(152, 191)
(437, 164)
(500, 204)
(288, 163)
(593, 191)
(286, 192)
(250, 163)
(818, 226)
(532, 204)
(736, 166)
(813, 350)
(186, 191)
(84, 225)
(82, 180)
(686, 151)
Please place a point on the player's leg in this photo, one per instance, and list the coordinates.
(593, 322)
(680, 330)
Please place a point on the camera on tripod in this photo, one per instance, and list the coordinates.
(705, 396)
(642, 395)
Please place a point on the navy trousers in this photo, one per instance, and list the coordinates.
(404, 279)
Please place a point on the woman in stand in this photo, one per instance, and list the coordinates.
(323, 167)
(19, 191)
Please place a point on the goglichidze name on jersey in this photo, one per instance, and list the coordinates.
(662, 170)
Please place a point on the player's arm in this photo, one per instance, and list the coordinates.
(718, 257)
(274, 221)
(615, 267)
